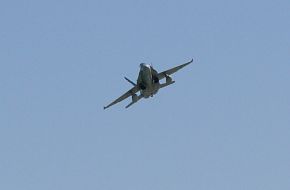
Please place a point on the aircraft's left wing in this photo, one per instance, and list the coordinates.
(163, 74)
(131, 92)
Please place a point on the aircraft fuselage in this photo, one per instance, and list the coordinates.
(146, 81)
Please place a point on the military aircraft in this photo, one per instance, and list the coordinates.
(148, 83)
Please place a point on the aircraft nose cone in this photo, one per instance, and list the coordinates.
(144, 66)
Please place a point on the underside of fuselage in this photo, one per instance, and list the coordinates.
(148, 83)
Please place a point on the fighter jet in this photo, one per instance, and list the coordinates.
(148, 83)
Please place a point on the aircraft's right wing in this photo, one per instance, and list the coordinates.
(163, 74)
(131, 92)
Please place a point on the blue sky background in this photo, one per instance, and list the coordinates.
(224, 124)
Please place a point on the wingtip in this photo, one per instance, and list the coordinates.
(188, 62)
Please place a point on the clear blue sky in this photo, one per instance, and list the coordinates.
(224, 124)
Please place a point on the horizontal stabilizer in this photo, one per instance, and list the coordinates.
(130, 81)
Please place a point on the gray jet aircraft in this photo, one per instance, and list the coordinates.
(148, 83)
